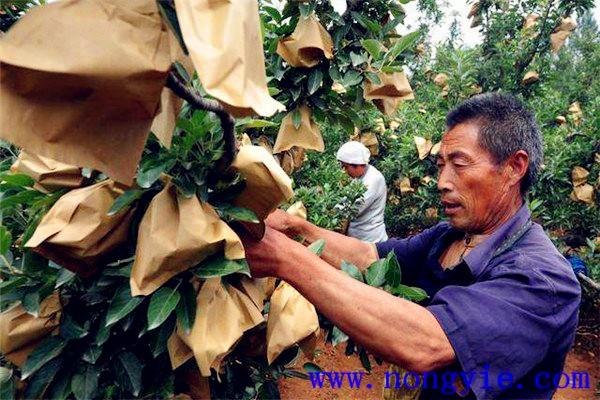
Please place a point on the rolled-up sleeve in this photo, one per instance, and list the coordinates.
(503, 325)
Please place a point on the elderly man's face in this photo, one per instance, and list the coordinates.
(473, 188)
(354, 170)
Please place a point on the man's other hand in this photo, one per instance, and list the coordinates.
(283, 222)
(266, 257)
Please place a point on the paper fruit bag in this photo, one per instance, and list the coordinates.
(21, 332)
(223, 314)
(77, 232)
(82, 80)
(225, 44)
(308, 44)
(291, 319)
(49, 175)
(267, 185)
(177, 233)
(307, 136)
(387, 95)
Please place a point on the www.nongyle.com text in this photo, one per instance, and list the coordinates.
(446, 382)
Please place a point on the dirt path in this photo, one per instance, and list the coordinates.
(333, 359)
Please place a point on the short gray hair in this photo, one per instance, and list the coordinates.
(505, 127)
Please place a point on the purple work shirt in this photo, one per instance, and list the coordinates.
(508, 312)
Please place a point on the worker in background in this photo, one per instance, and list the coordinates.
(368, 225)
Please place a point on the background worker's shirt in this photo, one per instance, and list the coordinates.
(515, 313)
(369, 224)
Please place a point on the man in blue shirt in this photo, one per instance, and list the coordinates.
(503, 301)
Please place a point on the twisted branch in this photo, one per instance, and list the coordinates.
(196, 101)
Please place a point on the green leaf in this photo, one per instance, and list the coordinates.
(5, 239)
(162, 304)
(371, 76)
(92, 354)
(70, 329)
(273, 12)
(7, 384)
(364, 359)
(158, 338)
(186, 309)
(373, 47)
(26, 197)
(389, 69)
(182, 71)
(409, 292)
(296, 118)
(84, 383)
(64, 276)
(121, 305)
(358, 59)
(317, 247)
(49, 349)
(305, 9)
(314, 81)
(129, 372)
(255, 123)
(146, 177)
(17, 180)
(220, 266)
(312, 367)
(351, 78)
(31, 303)
(367, 23)
(401, 45)
(337, 336)
(375, 274)
(102, 335)
(39, 382)
(60, 389)
(233, 213)
(393, 275)
(124, 200)
(352, 270)
(295, 374)
(33, 263)
(167, 11)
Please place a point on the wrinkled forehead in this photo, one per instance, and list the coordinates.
(463, 138)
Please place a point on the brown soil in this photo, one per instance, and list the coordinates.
(333, 359)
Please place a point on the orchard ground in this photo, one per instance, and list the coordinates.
(330, 358)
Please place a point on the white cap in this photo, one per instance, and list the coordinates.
(353, 153)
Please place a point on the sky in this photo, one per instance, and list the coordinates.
(459, 8)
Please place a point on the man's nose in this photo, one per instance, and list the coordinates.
(444, 183)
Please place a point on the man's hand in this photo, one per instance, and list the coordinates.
(267, 257)
(283, 222)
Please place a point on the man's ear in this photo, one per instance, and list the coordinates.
(516, 166)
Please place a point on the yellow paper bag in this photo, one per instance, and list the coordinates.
(307, 45)
(245, 140)
(435, 149)
(307, 136)
(560, 120)
(424, 146)
(579, 176)
(530, 21)
(258, 289)
(264, 142)
(49, 175)
(286, 162)
(223, 314)
(291, 319)
(404, 185)
(369, 139)
(297, 209)
(225, 44)
(576, 113)
(77, 232)
(558, 39)
(393, 85)
(267, 185)
(177, 233)
(583, 193)
(440, 80)
(179, 352)
(21, 332)
(530, 77)
(82, 80)
(390, 92)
